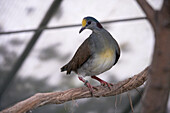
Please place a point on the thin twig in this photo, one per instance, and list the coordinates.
(130, 100)
(68, 26)
(115, 103)
(138, 91)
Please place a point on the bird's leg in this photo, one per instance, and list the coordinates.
(87, 84)
(102, 82)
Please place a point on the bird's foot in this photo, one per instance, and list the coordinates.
(88, 85)
(102, 82)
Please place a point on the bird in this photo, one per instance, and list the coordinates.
(97, 54)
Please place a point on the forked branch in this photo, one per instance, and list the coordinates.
(41, 99)
(148, 10)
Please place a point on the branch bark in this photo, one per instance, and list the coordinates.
(41, 99)
(148, 10)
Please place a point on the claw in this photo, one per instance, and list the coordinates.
(104, 83)
(87, 84)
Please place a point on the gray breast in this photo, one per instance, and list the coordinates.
(99, 42)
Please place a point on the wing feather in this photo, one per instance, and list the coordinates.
(81, 56)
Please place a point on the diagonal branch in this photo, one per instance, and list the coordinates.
(54, 6)
(148, 10)
(41, 99)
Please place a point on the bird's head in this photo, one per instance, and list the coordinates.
(90, 23)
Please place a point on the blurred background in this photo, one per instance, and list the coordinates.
(30, 61)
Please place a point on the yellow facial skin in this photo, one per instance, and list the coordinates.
(84, 23)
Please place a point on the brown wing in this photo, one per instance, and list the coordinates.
(81, 56)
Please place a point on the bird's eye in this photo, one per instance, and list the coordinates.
(89, 22)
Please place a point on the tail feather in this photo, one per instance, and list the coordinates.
(64, 68)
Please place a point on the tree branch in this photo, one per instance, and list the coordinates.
(148, 10)
(41, 99)
(158, 84)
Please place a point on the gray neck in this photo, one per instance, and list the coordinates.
(97, 30)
